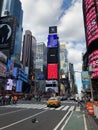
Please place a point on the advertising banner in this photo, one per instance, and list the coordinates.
(52, 71)
(19, 86)
(93, 62)
(52, 40)
(90, 17)
(85, 80)
(51, 89)
(7, 32)
(52, 29)
(52, 55)
(9, 84)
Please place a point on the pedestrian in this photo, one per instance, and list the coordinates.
(0, 99)
(15, 99)
(78, 100)
(12, 100)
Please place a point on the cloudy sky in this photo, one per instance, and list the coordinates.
(67, 15)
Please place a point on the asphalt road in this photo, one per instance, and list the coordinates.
(34, 116)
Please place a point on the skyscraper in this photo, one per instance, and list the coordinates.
(13, 8)
(27, 52)
(1, 2)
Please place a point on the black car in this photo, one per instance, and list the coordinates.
(63, 98)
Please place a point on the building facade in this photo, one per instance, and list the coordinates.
(14, 8)
(1, 3)
(27, 53)
(41, 64)
(63, 69)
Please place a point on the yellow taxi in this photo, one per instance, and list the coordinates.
(53, 102)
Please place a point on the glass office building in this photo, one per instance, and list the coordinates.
(14, 8)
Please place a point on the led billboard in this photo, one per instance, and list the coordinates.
(53, 29)
(19, 86)
(93, 62)
(85, 80)
(52, 71)
(7, 32)
(9, 84)
(51, 89)
(91, 22)
(52, 55)
(52, 40)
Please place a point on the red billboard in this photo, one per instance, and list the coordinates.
(90, 19)
(52, 71)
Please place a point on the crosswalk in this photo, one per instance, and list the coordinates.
(43, 106)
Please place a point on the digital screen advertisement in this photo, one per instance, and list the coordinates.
(52, 40)
(88, 4)
(52, 55)
(91, 24)
(93, 62)
(90, 18)
(51, 89)
(19, 86)
(9, 84)
(52, 71)
(7, 32)
(53, 29)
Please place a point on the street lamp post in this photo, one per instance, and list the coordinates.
(91, 70)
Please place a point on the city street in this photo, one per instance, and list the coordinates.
(26, 115)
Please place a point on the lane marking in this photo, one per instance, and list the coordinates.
(59, 107)
(61, 121)
(65, 108)
(11, 112)
(85, 124)
(71, 108)
(22, 120)
(66, 121)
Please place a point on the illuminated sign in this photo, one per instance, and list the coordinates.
(52, 41)
(91, 26)
(8, 32)
(52, 55)
(53, 29)
(93, 62)
(88, 4)
(19, 86)
(52, 71)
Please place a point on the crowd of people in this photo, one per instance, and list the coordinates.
(6, 100)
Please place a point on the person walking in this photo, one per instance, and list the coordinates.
(78, 100)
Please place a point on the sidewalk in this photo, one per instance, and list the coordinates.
(92, 121)
(81, 120)
(76, 121)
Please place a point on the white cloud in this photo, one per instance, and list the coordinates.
(40, 14)
(71, 25)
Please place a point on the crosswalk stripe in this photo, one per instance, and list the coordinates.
(43, 106)
(59, 107)
(71, 108)
(65, 108)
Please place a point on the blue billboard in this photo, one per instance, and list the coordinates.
(85, 80)
(19, 86)
(52, 40)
